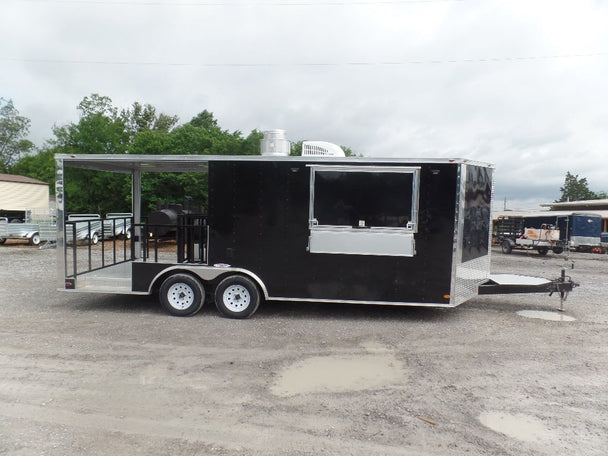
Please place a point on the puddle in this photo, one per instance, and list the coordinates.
(518, 426)
(375, 347)
(545, 315)
(336, 374)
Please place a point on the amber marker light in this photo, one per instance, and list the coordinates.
(446, 296)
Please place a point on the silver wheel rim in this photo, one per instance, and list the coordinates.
(180, 296)
(236, 298)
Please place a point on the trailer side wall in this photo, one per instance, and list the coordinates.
(259, 221)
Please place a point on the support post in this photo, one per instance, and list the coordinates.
(136, 209)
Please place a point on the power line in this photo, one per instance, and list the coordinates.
(244, 4)
(306, 64)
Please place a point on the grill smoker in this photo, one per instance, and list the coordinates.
(408, 232)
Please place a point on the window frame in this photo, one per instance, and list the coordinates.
(412, 225)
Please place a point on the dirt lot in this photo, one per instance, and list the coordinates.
(101, 374)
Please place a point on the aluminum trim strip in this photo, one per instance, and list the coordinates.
(363, 302)
(120, 160)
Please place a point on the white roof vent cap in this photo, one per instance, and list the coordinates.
(321, 149)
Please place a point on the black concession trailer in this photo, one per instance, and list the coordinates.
(412, 232)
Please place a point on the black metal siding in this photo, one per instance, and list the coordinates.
(258, 220)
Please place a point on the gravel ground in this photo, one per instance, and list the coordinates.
(103, 374)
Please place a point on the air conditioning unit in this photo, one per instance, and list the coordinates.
(321, 149)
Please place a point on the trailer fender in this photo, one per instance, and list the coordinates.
(211, 274)
(248, 274)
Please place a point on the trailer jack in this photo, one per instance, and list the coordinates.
(563, 285)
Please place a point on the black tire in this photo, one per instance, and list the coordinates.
(2, 241)
(182, 295)
(237, 296)
(558, 250)
(35, 239)
(506, 246)
(94, 238)
(542, 251)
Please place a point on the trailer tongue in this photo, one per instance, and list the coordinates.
(512, 283)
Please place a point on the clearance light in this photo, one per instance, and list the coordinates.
(446, 296)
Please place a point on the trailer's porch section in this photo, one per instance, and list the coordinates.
(116, 278)
(105, 264)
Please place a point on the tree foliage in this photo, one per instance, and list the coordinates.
(103, 128)
(40, 166)
(13, 135)
(575, 189)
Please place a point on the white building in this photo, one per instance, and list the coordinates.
(19, 194)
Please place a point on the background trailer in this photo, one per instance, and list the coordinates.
(577, 230)
(354, 230)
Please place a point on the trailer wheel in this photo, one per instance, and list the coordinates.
(558, 250)
(94, 238)
(182, 295)
(237, 296)
(542, 251)
(2, 241)
(506, 246)
(35, 239)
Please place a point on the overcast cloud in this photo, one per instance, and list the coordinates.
(519, 84)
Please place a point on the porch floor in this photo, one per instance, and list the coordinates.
(111, 279)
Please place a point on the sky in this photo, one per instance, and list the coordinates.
(522, 85)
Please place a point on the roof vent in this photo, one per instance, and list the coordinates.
(275, 143)
(321, 149)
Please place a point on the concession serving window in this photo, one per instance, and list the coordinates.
(363, 210)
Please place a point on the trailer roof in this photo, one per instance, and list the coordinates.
(20, 179)
(125, 163)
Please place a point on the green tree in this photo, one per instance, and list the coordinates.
(13, 135)
(205, 120)
(40, 166)
(575, 189)
(251, 144)
(100, 129)
(142, 118)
